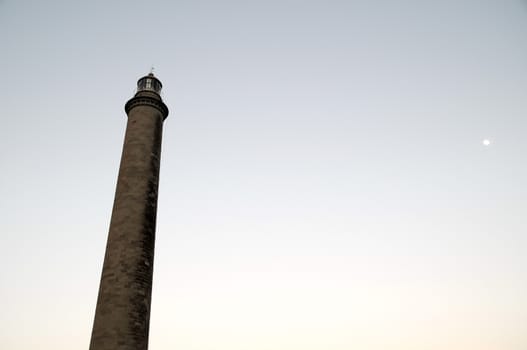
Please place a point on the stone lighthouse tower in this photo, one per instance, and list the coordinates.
(123, 304)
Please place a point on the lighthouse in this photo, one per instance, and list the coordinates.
(122, 313)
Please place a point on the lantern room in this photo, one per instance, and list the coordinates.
(149, 83)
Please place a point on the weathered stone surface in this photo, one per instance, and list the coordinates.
(123, 305)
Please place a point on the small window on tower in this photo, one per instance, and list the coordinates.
(149, 84)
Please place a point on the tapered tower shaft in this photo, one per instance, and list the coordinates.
(123, 305)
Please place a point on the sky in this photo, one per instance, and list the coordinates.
(324, 179)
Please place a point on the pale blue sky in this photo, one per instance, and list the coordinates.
(323, 183)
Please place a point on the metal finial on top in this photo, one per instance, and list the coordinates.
(152, 70)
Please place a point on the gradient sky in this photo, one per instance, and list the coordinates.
(323, 182)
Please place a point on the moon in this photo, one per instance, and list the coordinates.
(486, 142)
